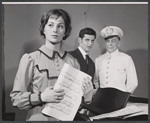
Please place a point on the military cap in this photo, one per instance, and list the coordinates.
(111, 31)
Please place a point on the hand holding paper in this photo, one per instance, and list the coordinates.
(72, 81)
(87, 85)
(51, 95)
(87, 88)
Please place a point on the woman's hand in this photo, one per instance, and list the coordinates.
(87, 86)
(51, 95)
(88, 96)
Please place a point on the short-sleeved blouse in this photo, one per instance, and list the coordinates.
(38, 70)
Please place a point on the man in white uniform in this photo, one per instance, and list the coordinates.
(114, 68)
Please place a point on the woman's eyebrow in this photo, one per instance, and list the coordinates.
(50, 21)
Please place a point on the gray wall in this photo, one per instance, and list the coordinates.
(21, 35)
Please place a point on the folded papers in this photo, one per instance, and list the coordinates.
(128, 110)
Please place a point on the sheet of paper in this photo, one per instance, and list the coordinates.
(70, 79)
(122, 112)
(142, 106)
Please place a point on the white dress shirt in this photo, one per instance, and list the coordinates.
(116, 70)
(82, 52)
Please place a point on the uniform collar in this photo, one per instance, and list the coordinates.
(115, 53)
(82, 52)
(48, 52)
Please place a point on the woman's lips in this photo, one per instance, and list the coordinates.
(55, 36)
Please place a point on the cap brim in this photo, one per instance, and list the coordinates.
(111, 36)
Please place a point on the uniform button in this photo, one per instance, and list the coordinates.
(107, 67)
(57, 65)
(107, 77)
(56, 57)
(57, 69)
(56, 61)
(108, 62)
(106, 82)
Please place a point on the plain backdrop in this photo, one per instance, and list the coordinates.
(21, 35)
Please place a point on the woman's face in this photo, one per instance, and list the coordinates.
(55, 29)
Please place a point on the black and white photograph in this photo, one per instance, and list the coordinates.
(75, 61)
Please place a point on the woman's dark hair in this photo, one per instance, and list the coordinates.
(55, 14)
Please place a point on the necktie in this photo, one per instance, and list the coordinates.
(86, 58)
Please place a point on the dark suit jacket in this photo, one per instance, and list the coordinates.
(90, 68)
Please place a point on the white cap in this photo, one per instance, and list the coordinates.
(111, 31)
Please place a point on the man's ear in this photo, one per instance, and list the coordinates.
(79, 40)
(119, 43)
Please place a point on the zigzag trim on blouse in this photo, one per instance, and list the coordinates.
(46, 70)
(52, 57)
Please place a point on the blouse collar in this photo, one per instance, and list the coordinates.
(49, 53)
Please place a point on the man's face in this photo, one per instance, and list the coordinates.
(86, 43)
(112, 44)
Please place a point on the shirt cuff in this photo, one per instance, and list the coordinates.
(34, 99)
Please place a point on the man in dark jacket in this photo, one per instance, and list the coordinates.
(86, 40)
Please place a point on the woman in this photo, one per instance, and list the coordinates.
(39, 70)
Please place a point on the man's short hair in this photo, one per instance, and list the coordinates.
(88, 31)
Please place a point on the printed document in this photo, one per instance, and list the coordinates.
(142, 106)
(70, 79)
(122, 112)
